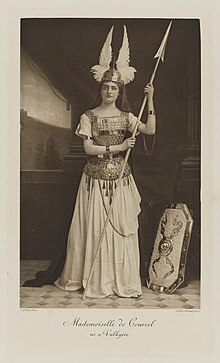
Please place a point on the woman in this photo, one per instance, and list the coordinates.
(117, 266)
(115, 270)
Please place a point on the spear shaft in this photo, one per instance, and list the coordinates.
(159, 55)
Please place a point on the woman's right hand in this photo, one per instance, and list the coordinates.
(128, 143)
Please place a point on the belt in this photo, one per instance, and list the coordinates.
(106, 168)
(109, 156)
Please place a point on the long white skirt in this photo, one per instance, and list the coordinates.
(116, 269)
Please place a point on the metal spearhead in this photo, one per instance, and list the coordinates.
(161, 50)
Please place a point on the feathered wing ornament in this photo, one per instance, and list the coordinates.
(104, 58)
(126, 72)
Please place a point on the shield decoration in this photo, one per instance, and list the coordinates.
(168, 260)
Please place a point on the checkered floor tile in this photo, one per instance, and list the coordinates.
(49, 296)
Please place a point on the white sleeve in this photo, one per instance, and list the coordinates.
(84, 127)
(132, 123)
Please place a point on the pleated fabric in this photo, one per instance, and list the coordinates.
(116, 269)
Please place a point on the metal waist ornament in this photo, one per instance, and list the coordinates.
(120, 71)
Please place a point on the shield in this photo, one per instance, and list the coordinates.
(168, 260)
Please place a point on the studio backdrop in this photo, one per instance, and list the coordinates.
(57, 87)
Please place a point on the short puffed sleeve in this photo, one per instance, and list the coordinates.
(84, 127)
(132, 120)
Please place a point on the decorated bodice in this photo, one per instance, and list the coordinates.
(108, 130)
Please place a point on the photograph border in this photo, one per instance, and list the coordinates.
(28, 326)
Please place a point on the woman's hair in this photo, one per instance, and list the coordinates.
(122, 100)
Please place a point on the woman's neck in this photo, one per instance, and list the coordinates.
(107, 109)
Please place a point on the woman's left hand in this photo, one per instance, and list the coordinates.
(149, 91)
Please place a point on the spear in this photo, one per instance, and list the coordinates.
(160, 56)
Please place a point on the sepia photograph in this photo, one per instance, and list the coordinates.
(110, 203)
(110, 163)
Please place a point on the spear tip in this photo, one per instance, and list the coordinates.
(161, 51)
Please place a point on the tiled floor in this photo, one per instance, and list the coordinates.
(49, 296)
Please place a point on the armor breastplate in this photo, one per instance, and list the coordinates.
(107, 131)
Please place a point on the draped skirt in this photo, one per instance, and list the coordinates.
(116, 267)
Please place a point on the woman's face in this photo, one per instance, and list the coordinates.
(109, 92)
